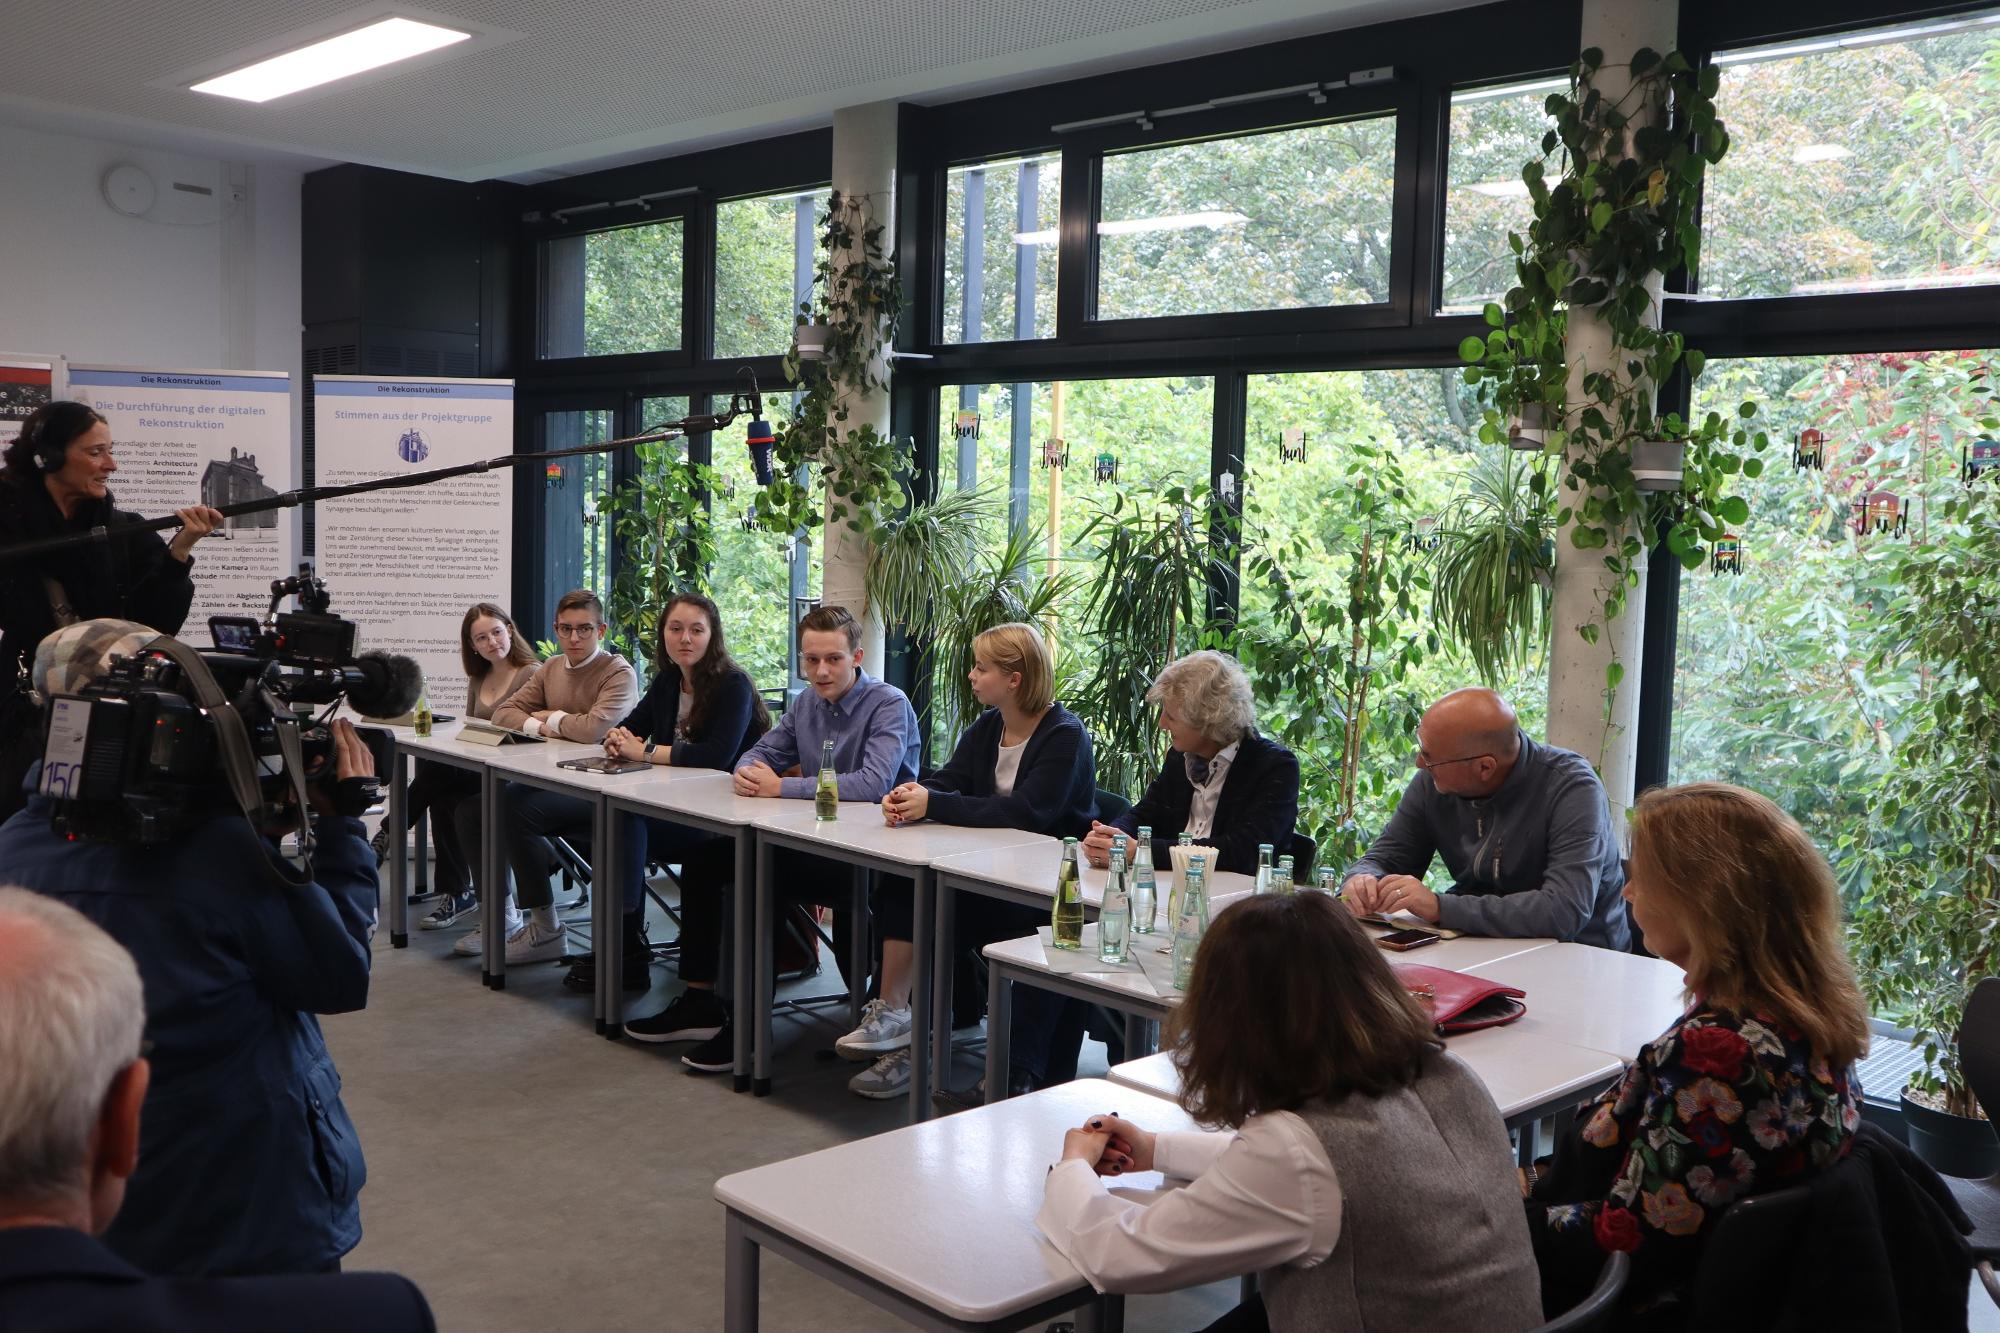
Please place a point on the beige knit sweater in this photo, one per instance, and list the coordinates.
(592, 698)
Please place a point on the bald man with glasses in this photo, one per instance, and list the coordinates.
(1524, 829)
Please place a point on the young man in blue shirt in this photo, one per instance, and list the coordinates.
(876, 745)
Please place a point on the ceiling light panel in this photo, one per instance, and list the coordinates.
(382, 43)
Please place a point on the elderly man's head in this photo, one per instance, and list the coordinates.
(72, 1016)
(1468, 742)
(1205, 703)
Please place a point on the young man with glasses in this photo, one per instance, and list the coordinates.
(1524, 829)
(578, 696)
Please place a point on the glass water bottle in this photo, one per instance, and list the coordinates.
(1145, 888)
(826, 796)
(1114, 918)
(1192, 923)
(1066, 913)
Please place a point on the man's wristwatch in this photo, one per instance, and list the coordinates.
(651, 745)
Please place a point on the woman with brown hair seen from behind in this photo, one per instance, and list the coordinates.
(497, 660)
(1751, 1090)
(1361, 1170)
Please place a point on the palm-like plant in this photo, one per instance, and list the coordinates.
(1494, 566)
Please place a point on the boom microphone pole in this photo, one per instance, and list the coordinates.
(700, 423)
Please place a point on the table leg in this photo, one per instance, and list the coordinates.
(607, 915)
(742, 899)
(943, 959)
(420, 834)
(999, 1030)
(739, 1278)
(1136, 1035)
(1105, 1314)
(399, 852)
(493, 888)
(760, 926)
(857, 950)
(923, 978)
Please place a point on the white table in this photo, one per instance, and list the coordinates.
(933, 1222)
(1605, 1001)
(860, 837)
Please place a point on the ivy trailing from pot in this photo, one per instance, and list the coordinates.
(857, 297)
(1619, 213)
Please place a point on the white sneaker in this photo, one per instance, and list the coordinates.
(886, 1078)
(473, 943)
(882, 1029)
(531, 944)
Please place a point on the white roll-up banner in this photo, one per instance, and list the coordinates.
(215, 437)
(26, 382)
(407, 563)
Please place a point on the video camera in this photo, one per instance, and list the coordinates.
(156, 743)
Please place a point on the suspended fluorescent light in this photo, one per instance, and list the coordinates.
(1500, 189)
(351, 53)
(1215, 218)
(1820, 152)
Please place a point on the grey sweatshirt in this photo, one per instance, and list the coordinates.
(1537, 858)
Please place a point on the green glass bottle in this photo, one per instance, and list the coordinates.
(1066, 913)
(421, 724)
(826, 797)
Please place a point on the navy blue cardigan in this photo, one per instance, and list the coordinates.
(727, 731)
(1259, 803)
(1055, 788)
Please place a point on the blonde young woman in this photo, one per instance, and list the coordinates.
(1751, 1090)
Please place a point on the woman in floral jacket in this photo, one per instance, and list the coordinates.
(1752, 1089)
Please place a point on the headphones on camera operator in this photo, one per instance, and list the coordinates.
(139, 753)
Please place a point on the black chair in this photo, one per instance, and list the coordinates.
(1594, 1311)
(1751, 1240)
(1304, 852)
(1110, 805)
(1979, 1057)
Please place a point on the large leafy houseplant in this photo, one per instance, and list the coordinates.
(1339, 655)
(1617, 215)
(858, 295)
(1928, 926)
(1492, 569)
(1149, 563)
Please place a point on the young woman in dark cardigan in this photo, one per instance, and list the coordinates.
(701, 711)
(1026, 764)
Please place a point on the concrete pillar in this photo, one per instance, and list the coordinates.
(864, 168)
(1583, 716)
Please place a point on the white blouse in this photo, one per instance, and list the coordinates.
(1237, 1203)
(1006, 768)
(1201, 805)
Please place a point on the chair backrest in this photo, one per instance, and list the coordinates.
(1110, 805)
(1753, 1239)
(1979, 1043)
(1595, 1311)
(1303, 851)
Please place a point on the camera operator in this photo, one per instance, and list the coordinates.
(55, 483)
(248, 1161)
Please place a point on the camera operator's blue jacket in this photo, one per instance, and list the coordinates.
(248, 1162)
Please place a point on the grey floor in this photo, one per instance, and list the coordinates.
(528, 1174)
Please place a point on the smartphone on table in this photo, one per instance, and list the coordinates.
(1404, 940)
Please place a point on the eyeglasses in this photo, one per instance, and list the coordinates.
(1426, 763)
(574, 631)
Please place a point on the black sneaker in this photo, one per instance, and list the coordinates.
(694, 1015)
(582, 974)
(717, 1055)
(379, 844)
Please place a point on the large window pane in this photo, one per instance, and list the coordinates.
(1494, 133)
(1000, 233)
(752, 583)
(1858, 163)
(1778, 686)
(579, 541)
(1274, 221)
(1299, 511)
(611, 292)
(763, 270)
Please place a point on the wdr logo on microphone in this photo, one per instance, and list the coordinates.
(411, 448)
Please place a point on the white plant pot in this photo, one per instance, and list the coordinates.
(1656, 465)
(810, 341)
(1528, 430)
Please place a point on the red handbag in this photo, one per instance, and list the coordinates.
(1461, 1003)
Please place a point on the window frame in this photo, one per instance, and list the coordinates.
(687, 210)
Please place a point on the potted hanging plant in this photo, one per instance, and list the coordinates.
(1928, 925)
(1616, 213)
